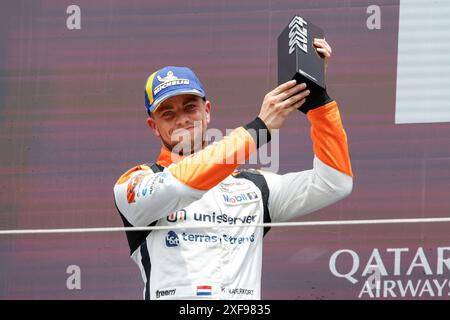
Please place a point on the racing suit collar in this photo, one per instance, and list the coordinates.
(166, 157)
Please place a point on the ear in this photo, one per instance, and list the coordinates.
(152, 125)
(208, 111)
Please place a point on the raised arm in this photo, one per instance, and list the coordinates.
(331, 179)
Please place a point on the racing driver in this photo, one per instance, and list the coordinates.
(211, 248)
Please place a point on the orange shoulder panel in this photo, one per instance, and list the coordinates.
(207, 168)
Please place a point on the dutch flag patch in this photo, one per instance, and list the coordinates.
(204, 291)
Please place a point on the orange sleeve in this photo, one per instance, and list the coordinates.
(208, 167)
(329, 137)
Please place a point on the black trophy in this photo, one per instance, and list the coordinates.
(298, 59)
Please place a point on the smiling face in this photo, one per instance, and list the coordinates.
(180, 122)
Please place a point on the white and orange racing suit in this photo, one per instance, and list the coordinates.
(223, 261)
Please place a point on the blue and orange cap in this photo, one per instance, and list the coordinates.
(168, 82)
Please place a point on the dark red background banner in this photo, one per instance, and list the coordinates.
(72, 119)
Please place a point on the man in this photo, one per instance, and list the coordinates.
(212, 249)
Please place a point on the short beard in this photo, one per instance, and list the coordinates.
(186, 148)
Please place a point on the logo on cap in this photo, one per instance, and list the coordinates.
(168, 77)
(168, 81)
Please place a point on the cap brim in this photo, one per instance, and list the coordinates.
(168, 95)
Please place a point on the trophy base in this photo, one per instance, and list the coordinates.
(318, 95)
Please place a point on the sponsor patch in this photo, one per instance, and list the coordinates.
(239, 198)
(172, 239)
(182, 215)
(165, 293)
(179, 215)
(133, 186)
(137, 189)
